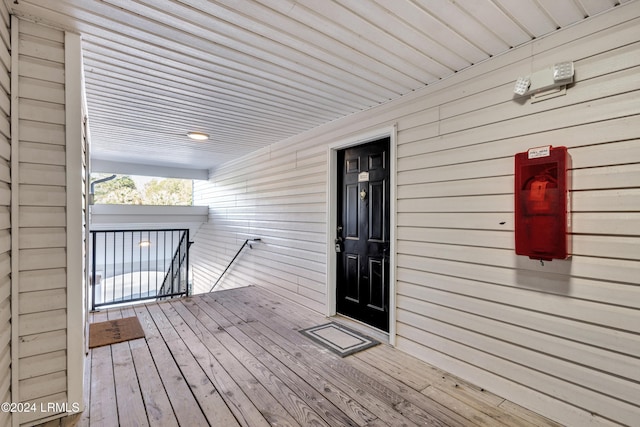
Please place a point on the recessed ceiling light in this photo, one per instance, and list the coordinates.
(144, 244)
(198, 136)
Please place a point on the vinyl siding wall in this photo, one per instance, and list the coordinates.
(5, 203)
(561, 338)
(41, 215)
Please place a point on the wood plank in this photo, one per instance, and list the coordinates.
(309, 387)
(460, 390)
(184, 404)
(365, 390)
(432, 411)
(332, 392)
(605, 405)
(245, 339)
(526, 415)
(299, 408)
(159, 410)
(409, 368)
(249, 402)
(131, 409)
(103, 410)
(445, 383)
(86, 413)
(484, 413)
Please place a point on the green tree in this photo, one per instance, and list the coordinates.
(119, 191)
(170, 191)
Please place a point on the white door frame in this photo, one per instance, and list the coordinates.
(332, 220)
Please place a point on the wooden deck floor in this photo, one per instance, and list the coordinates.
(236, 358)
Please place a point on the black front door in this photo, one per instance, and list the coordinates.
(362, 243)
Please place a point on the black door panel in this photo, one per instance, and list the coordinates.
(363, 230)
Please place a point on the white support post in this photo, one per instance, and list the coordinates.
(75, 208)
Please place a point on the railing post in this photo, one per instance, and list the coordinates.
(188, 245)
(93, 270)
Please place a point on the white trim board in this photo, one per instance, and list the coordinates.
(15, 205)
(108, 166)
(75, 213)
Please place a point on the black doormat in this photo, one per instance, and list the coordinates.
(339, 339)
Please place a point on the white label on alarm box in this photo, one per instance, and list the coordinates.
(537, 152)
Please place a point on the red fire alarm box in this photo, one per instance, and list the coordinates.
(542, 204)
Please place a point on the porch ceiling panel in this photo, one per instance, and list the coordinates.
(254, 72)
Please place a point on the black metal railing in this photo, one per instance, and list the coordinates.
(136, 265)
(175, 281)
(247, 242)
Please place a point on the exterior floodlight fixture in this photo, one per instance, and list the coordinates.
(198, 136)
(522, 85)
(563, 72)
(559, 74)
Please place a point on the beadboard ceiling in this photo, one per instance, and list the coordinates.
(254, 72)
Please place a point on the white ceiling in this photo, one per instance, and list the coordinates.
(254, 72)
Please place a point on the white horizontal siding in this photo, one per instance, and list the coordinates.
(281, 202)
(41, 217)
(560, 338)
(466, 302)
(5, 202)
